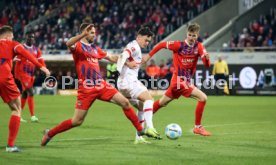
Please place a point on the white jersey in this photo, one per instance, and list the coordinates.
(135, 54)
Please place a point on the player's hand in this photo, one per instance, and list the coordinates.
(46, 71)
(132, 65)
(145, 59)
(87, 30)
(207, 56)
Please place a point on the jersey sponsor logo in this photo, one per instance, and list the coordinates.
(186, 61)
(92, 60)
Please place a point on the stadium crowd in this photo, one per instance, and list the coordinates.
(115, 27)
(259, 33)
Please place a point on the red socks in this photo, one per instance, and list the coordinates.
(130, 114)
(64, 126)
(156, 106)
(23, 102)
(13, 129)
(31, 104)
(198, 112)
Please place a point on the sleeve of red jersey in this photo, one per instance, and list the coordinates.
(101, 53)
(20, 50)
(202, 51)
(171, 45)
(40, 58)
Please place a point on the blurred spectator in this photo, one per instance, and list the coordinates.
(259, 33)
(164, 70)
(152, 69)
(115, 27)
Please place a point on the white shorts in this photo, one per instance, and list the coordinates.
(131, 89)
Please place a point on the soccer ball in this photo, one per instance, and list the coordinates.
(173, 131)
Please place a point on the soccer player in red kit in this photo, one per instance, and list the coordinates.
(8, 89)
(91, 85)
(185, 57)
(24, 72)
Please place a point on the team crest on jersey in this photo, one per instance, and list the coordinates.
(132, 49)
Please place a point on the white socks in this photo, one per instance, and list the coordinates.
(141, 119)
(147, 108)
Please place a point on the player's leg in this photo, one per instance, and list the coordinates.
(83, 103)
(140, 113)
(14, 124)
(24, 97)
(77, 120)
(120, 100)
(171, 93)
(147, 99)
(30, 92)
(11, 95)
(201, 98)
(162, 102)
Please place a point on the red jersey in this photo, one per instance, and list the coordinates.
(86, 58)
(185, 57)
(8, 50)
(24, 67)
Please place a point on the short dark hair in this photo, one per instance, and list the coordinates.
(29, 33)
(194, 27)
(84, 25)
(145, 31)
(6, 28)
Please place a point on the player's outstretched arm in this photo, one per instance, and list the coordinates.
(122, 60)
(46, 71)
(77, 38)
(20, 50)
(206, 60)
(156, 48)
(112, 58)
(204, 55)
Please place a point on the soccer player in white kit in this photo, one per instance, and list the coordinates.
(129, 85)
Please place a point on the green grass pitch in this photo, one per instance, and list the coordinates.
(244, 132)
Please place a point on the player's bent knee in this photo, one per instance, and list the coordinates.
(203, 98)
(77, 123)
(125, 103)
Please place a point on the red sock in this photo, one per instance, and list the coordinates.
(31, 104)
(23, 102)
(130, 114)
(64, 126)
(13, 129)
(156, 106)
(198, 112)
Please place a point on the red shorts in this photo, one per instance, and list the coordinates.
(181, 88)
(8, 89)
(86, 96)
(26, 82)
